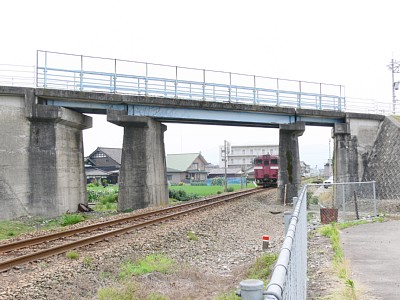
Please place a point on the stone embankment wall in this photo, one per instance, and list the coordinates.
(384, 161)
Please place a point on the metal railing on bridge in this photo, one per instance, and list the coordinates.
(97, 74)
(87, 73)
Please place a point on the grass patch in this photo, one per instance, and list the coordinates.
(204, 190)
(72, 255)
(192, 236)
(125, 292)
(261, 269)
(228, 296)
(9, 229)
(70, 219)
(106, 207)
(149, 264)
(339, 261)
(351, 224)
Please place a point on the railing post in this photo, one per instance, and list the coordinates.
(146, 91)
(254, 89)
(204, 84)
(45, 70)
(230, 86)
(320, 96)
(299, 96)
(81, 75)
(176, 81)
(115, 76)
(344, 202)
(277, 92)
(37, 69)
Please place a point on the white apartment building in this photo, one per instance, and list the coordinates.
(243, 156)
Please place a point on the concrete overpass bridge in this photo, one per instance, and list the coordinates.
(42, 159)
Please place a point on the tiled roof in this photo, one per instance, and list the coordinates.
(182, 162)
(113, 153)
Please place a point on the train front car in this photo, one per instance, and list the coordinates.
(266, 170)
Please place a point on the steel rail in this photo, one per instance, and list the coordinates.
(53, 236)
(93, 239)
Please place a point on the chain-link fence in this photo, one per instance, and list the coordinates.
(344, 201)
(289, 278)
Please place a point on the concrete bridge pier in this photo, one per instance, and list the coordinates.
(289, 162)
(142, 180)
(56, 163)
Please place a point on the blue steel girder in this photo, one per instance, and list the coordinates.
(207, 116)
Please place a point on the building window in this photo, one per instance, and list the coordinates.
(243, 152)
(195, 166)
(272, 151)
(99, 155)
(232, 160)
(263, 151)
(169, 177)
(244, 161)
(251, 151)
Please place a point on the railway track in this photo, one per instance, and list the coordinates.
(27, 250)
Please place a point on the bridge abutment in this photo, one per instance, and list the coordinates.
(289, 161)
(142, 180)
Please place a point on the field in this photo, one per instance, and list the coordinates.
(206, 190)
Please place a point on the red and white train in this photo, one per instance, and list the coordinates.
(266, 169)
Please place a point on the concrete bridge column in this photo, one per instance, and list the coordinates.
(289, 160)
(142, 180)
(55, 160)
(345, 154)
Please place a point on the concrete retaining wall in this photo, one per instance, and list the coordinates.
(383, 164)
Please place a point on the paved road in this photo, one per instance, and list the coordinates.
(373, 251)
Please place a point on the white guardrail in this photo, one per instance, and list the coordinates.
(56, 70)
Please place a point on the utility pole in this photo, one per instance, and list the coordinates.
(394, 66)
(226, 146)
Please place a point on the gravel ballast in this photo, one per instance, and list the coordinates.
(229, 239)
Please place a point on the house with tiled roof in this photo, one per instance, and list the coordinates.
(180, 167)
(186, 167)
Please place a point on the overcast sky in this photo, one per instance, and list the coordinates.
(341, 42)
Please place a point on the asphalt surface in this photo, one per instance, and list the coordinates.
(373, 251)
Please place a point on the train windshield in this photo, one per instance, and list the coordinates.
(257, 162)
(274, 161)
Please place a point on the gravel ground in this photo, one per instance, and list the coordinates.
(229, 240)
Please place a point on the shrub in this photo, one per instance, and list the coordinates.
(181, 195)
(217, 181)
(230, 189)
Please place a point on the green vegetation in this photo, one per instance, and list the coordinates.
(70, 219)
(72, 255)
(106, 198)
(149, 264)
(192, 236)
(125, 292)
(12, 228)
(205, 190)
(339, 261)
(261, 269)
(228, 296)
